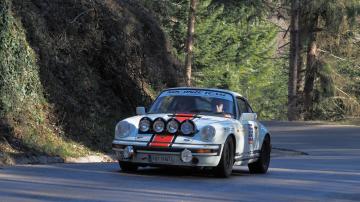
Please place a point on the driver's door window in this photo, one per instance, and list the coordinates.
(242, 107)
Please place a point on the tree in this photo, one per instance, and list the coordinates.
(235, 48)
(292, 112)
(190, 41)
(323, 20)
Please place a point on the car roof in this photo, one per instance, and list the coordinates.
(213, 89)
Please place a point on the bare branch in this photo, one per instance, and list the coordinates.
(282, 46)
(81, 14)
(337, 57)
(351, 98)
(287, 31)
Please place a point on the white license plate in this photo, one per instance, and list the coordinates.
(162, 158)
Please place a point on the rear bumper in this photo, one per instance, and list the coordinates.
(203, 154)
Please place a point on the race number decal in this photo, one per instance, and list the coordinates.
(250, 134)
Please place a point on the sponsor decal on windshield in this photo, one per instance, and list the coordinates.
(200, 93)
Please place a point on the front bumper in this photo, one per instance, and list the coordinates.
(203, 154)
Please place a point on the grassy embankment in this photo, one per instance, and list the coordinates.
(70, 71)
(25, 115)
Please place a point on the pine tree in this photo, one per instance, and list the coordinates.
(234, 49)
(322, 19)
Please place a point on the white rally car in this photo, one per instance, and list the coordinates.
(194, 127)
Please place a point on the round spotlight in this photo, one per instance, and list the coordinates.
(187, 127)
(159, 125)
(128, 152)
(186, 156)
(145, 124)
(172, 126)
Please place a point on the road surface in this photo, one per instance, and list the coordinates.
(330, 172)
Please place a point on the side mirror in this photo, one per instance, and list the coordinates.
(140, 111)
(248, 117)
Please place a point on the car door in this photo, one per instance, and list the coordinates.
(255, 125)
(250, 126)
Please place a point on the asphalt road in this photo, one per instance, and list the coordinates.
(330, 172)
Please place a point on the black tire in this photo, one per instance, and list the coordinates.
(225, 166)
(262, 164)
(127, 166)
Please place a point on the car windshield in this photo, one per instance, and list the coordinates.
(194, 102)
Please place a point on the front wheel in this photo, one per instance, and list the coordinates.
(262, 164)
(224, 169)
(127, 166)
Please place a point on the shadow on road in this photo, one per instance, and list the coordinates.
(183, 172)
(105, 181)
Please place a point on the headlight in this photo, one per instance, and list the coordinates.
(122, 130)
(172, 126)
(159, 125)
(207, 133)
(145, 124)
(187, 127)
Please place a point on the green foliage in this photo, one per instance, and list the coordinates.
(22, 104)
(19, 78)
(335, 25)
(240, 56)
(234, 49)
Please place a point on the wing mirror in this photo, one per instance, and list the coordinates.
(140, 111)
(248, 117)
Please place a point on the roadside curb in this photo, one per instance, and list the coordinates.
(21, 160)
(10, 160)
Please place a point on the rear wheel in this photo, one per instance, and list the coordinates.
(262, 164)
(127, 166)
(224, 169)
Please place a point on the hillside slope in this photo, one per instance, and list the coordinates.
(71, 69)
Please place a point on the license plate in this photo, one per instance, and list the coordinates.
(162, 158)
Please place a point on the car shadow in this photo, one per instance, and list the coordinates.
(183, 172)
